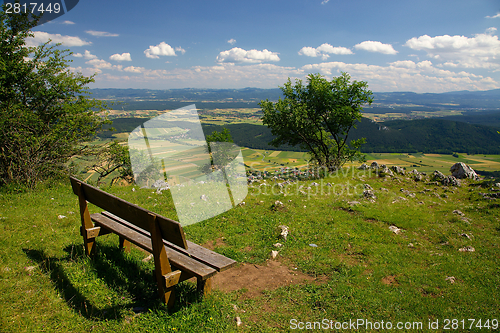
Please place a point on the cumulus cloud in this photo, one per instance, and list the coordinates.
(162, 49)
(237, 55)
(232, 41)
(407, 75)
(323, 51)
(67, 22)
(324, 2)
(101, 33)
(374, 46)
(121, 57)
(133, 69)
(495, 16)
(180, 49)
(480, 51)
(41, 37)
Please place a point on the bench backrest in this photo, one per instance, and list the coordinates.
(171, 230)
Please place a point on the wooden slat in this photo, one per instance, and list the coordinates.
(177, 260)
(170, 229)
(201, 254)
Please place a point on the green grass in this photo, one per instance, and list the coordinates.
(367, 271)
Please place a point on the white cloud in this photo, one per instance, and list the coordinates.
(407, 75)
(88, 55)
(495, 16)
(324, 2)
(133, 69)
(162, 49)
(180, 49)
(323, 50)
(121, 57)
(41, 37)
(67, 22)
(232, 41)
(101, 33)
(77, 55)
(373, 46)
(480, 51)
(237, 55)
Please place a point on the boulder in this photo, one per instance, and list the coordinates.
(397, 169)
(363, 167)
(438, 175)
(384, 171)
(369, 194)
(450, 180)
(461, 170)
(374, 165)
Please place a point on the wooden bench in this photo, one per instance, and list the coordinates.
(175, 258)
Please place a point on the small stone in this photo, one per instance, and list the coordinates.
(277, 245)
(313, 245)
(60, 217)
(284, 231)
(203, 197)
(467, 249)
(456, 211)
(238, 321)
(466, 236)
(451, 279)
(411, 245)
(395, 229)
(274, 254)
(133, 189)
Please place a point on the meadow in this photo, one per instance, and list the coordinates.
(403, 257)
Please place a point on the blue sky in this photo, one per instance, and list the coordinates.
(420, 46)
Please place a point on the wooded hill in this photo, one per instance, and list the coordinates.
(398, 136)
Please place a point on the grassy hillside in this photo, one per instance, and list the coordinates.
(358, 267)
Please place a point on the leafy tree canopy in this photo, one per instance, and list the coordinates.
(45, 113)
(318, 117)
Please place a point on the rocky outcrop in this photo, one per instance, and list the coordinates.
(398, 170)
(461, 170)
(438, 175)
(451, 181)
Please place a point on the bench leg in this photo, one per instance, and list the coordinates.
(204, 287)
(124, 245)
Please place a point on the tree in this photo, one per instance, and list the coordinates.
(45, 113)
(318, 117)
(223, 153)
(112, 158)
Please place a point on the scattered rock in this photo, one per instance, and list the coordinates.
(374, 165)
(451, 279)
(407, 193)
(457, 212)
(461, 170)
(352, 203)
(363, 167)
(278, 245)
(29, 268)
(411, 245)
(313, 245)
(451, 180)
(384, 189)
(133, 189)
(284, 232)
(397, 199)
(369, 194)
(238, 321)
(395, 229)
(203, 197)
(466, 236)
(398, 170)
(438, 175)
(60, 217)
(467, 249)
(367, 187)
(274, 254)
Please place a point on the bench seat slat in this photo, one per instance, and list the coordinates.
(206, 256)
(178, 260)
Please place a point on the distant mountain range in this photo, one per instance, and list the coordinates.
(250, 97)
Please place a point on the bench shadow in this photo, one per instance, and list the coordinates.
(121, 274)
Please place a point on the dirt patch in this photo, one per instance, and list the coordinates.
(211, 245)
(390, 280)
(254, 279)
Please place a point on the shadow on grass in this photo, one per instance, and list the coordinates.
(120, 274)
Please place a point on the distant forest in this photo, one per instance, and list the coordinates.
(398, 136)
